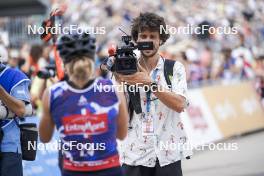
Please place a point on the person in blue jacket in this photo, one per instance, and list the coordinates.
(14, 97)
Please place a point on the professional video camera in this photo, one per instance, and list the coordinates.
(125, 59)
(48, 72)
(125, 62)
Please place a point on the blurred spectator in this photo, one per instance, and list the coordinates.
(38, 84)
(206, 62)
(244, 60)
(45, 59)
(195, 68)
(13, 60)
(31, 66)
(259, 71)
(228, 69)
(3, 54)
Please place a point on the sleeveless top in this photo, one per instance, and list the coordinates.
(86, 122)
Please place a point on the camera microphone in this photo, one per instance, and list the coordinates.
(112, 50)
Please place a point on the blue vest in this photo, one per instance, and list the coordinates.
(9, 78)
(86, 117)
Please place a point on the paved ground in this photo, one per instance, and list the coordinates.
(248, 160)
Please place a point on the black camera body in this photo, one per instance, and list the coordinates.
(48, 72)
(125, 58)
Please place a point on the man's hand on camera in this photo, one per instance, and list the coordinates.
(142, 77)
(117, 77)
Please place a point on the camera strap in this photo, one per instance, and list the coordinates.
(168, 74)
(148, 96)
(135, 100)
(168, 70)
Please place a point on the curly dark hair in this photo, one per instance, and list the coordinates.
(148, 21)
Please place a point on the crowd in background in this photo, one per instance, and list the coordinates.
(208, 58)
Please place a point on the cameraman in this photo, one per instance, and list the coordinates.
(159, 123)
(83, 114)
(14, 96)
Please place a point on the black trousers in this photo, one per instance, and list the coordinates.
(173, 169)
(11, 164)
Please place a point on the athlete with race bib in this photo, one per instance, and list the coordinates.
(88, 117)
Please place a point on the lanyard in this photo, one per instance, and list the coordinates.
(154, 75)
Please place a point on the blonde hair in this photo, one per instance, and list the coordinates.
(77, 67)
